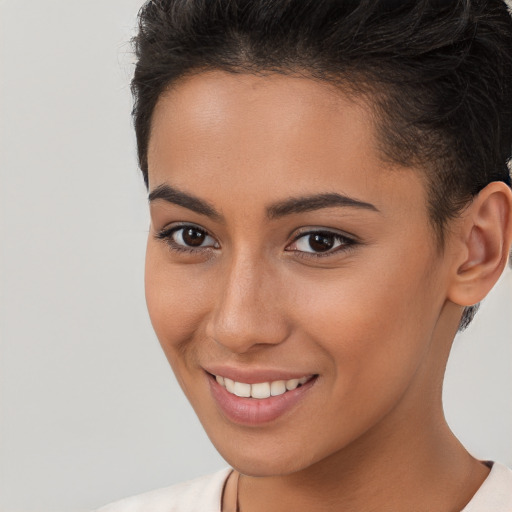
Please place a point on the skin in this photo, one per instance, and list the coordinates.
(374, 319)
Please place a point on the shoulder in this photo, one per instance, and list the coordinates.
(495, 493)
(201, 494)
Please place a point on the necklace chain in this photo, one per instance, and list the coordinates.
(237, 505)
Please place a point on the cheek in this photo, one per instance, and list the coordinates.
(176, 299)
(373, 325)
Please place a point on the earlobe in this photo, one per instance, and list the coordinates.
(484, 244)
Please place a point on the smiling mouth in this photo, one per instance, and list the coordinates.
(261, 390)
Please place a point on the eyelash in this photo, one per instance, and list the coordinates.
(166, 236)
(346, 243)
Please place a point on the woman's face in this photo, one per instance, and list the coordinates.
(282, 247)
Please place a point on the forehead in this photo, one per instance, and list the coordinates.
(271, 135)
(217, 104)
(220, 91)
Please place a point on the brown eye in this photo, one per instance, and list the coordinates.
(321, 242)
(193, 237)
(187, 238)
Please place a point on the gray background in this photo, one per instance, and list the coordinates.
(89, 410)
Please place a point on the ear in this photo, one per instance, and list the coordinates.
(482, 245)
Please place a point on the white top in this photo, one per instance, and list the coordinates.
(204, 494)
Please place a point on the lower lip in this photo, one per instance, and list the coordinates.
(255, 411)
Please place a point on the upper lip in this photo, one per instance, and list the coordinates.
(255, 375)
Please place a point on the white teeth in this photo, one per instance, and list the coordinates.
(292, 384)
(278, 387)
(261, 389)
(242, 389)
(230, 385)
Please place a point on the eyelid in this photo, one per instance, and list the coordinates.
(174, 226)
(320, 229)
(348, 242)
(165, 234)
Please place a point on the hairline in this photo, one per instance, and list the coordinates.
(355, 86)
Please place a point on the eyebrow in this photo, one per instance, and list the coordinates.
(315, 202)
(277, 210)
(180, 198)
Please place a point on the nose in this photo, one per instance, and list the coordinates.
(248, 311)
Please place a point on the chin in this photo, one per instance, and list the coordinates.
(265, 461)
(259, 467)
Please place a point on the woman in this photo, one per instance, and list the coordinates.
(330, 201)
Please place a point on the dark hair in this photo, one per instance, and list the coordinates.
(438, 73)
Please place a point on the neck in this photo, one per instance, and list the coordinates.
(409, 461)
(413, 471)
